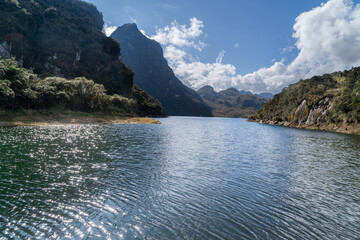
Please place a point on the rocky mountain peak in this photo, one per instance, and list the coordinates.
(153, 74)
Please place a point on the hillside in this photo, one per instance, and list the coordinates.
(231, 102)
(65, 39)
(21, 89)
(153, 74)
(328, 102)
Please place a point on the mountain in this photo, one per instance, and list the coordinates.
(64, 39)
(262, 95)
(265, 95)
(243, 92)
(231, 102)
(328, 102)
(153, 74)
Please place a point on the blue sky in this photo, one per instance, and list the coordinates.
(246, 36)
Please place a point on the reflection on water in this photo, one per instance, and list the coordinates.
(189, 178)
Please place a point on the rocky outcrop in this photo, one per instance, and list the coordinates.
(329, 102)
(305, 115)
(62, 38)
(65, 39)
(301, 112)
(319, 112)
(5, 50)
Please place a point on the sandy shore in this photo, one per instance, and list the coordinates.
(40, 119)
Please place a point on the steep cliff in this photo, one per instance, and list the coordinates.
(153, 74)
(62, 38)
(329, 102)
(231, 102)
(65, 39)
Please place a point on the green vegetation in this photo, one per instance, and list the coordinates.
(347, 105)
(342, 88)
(22, 89)
(63, 43)
(62, 38)
(15, 2)
(146, 103)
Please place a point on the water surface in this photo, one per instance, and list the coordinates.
(188, 178)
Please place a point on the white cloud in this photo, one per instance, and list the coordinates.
(327, 39)
(236, 45)
(220, 56)
(168, 6)
(174, 55)
(288, 49)
(198, 74)
(108, 30)
(144, 33)
(133, 20)
(181, 35)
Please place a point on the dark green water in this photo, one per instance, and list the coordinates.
(189, 178)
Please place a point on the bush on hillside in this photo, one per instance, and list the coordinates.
(22, 89)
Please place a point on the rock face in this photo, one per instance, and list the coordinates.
(330, 102)
(231, 102)
(319, 112)
(62, 38)
(301, 112)
(65, 39)
(316, 114)
(153, 74)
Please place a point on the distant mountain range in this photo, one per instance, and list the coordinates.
(265, 95)
(262, 95)
(231, 102)
(153, 74)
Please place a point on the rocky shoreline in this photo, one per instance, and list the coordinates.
(339, 128)
(313, 117)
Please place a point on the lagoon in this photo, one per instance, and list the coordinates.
(188, 178)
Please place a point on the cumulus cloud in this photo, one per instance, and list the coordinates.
(174, 55)
(108, 30)
(198, 74)
(181, 35)
(327, 38)
(144, 33)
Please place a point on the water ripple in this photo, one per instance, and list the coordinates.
(189, 178)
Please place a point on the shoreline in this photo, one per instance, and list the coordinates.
(69, 118)
(353, 129)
